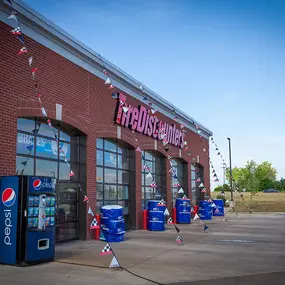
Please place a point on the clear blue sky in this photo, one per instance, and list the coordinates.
(220, 61)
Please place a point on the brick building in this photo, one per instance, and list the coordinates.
(99, 139)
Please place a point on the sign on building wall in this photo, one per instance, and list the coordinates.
(140, 119)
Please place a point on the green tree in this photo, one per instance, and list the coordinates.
(254, 177)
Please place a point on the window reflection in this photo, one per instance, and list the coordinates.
(112, 174)
(26, 125)
(64, 171)
(47, 131)
(25, 144)
(110, 145)
(46, 168)
(24, 165)
(156, 166)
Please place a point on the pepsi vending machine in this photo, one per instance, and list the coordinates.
(27, 219)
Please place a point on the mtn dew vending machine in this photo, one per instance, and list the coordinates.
(27, 219)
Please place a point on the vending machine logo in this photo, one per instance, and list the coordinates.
(37, 184)
(8, 197)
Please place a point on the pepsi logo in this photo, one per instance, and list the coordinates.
(8, 197)
(37, 184)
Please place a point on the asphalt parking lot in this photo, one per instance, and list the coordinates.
(247, 251)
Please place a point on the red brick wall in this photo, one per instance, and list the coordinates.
(87, 105)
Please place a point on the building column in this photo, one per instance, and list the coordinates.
(168, 185)
(138, 187)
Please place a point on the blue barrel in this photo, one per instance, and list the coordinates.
(112, 223)
(183, 209)
(205, 210)
(155, 216)
(220, 206)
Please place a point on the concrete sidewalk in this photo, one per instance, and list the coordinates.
(253, 245)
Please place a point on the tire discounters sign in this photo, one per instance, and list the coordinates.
(141, 120)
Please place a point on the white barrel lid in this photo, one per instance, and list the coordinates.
(111, 207)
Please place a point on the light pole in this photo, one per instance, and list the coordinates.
(231, 174)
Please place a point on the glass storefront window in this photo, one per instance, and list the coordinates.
(64, 171)
(178, 167)
(26, 125)
(25, 144)
(156, 165)
(48, 154)
(46, 168)
(99, 143)
(46, 130)
(110, 145)
(99, 174)
(112, 174)
(24, 165)
(110, 159)
(46, 148)
(99, 157)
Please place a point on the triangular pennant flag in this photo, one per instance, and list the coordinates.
(85, 199)
(34, 72)
(170, 221)
(218, 153)
(206, 228)
(153, 110)
(114, 263)
(177, 230)
(225, 220)
(21, 39)
(164, 142)
(71, 173)
(216, 180)
(182, 126)
(179, 240)
(210, 200)
(22, 50)
(106, 250)
(49, 122)
(24, 162)
(196, 217)
(181, 191)
(185, 143)
(213, 205)
(115, 96)
(13, 16)
(217, 211)
(161, 203)
(16, 31)
(227, 201)
(30, 147)
(198, 180)
(149, 175)
(204, 149)
(139, 149)
(44, 112)
(141, 87)
(30, 60)
(153, 184)
(201, 185)
(192, 210)
(184, 197)
(94, 224)
(90, 211)
(204, 190)
(166, 212)
(146, 167)
(215, 175)
(177, 184)
(108, 81)
(144, 99)
(125, 109)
